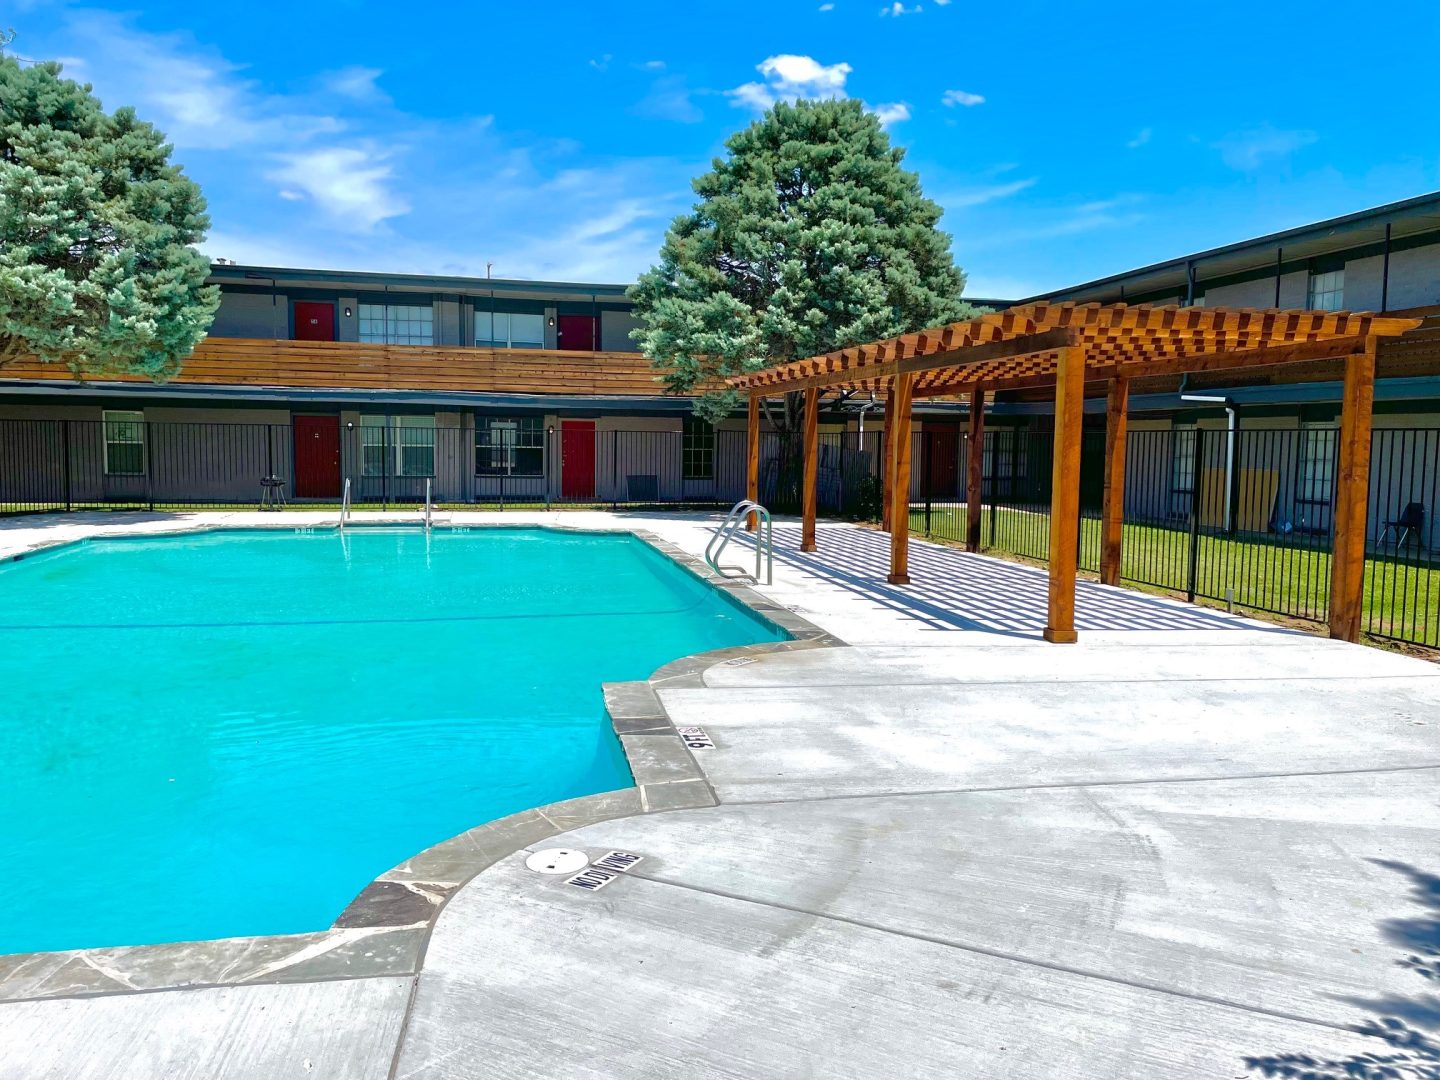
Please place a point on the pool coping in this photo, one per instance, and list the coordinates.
(385, 929)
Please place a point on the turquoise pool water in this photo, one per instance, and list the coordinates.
(232, 733)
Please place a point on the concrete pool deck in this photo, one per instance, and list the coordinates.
(1192, 845)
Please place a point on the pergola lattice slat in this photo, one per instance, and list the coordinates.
(1065, 345)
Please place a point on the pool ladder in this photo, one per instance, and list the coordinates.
(764, 542)
(345, 504)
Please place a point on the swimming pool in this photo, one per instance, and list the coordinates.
(232, 733)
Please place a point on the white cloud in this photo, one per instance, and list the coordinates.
(653, 65)
(196, 97)
(827, 7)
(1249, 150)
(357, 83)
(1141, 138)
(897, 9)
(669, 99)
(892, 113)
(603, 63)
(351, 186)
(980, 195)
(317, 177)
(1110, 213)
(787, 77)
(960, 97)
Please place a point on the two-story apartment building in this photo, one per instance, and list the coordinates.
(1275, 431)
(486, 388)
(492, 390)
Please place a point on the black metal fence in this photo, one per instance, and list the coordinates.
(1244, 517)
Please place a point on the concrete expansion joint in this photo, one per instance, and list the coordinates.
(1069, 785)
(1015, 958)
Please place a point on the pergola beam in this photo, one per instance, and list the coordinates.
(1352, 496)
(1112, 515)
(752, 461)
(900, 487)
(808, 499)
(975, 471)
(1099, 370)
(1065, 497)
(1009, 349)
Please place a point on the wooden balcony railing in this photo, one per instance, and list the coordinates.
(354, 366)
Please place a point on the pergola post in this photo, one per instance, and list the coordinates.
(975, 471)
(900, 485)
(1065, 495)
(1112, 526)
(1352, 496)
(752, 461)
(887, 464)
(812, 466)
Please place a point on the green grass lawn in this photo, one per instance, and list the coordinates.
(1402, 596)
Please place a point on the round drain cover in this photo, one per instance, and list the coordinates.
(557, 860)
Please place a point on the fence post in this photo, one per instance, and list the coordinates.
(385, 467)
(549, 459)
(840, 486)
(614, 468)
(149, 468)
(925, 449)
(1193, 572)
(65, 458)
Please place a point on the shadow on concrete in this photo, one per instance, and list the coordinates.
(1407, 1025)
(955, 590)
(27, 521)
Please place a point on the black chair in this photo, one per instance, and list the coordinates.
(272, 493)
(1411, 522)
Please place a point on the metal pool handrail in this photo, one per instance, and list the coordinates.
(345, 504)
(764, 541)
(427, 504)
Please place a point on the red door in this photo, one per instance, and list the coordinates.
(577, 459)
(317, 457)
(314, 322)
(576, 332)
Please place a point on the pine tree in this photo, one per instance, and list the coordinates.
(808, 236)
(96, 268)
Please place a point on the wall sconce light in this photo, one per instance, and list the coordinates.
(550, 321)
(347, 311)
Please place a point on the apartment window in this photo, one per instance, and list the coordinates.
(124, 443)
(414, 445)
(373, 444)
(408, 442)
(397, 324)
(1316, 482)
(1327, 291)
(509, 330)
(697, 450)
(510, 446)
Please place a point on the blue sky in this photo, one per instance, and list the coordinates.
(557, 141)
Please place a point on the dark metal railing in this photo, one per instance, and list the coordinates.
(1243, 518)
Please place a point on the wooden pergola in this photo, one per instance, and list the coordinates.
(1066, 346)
